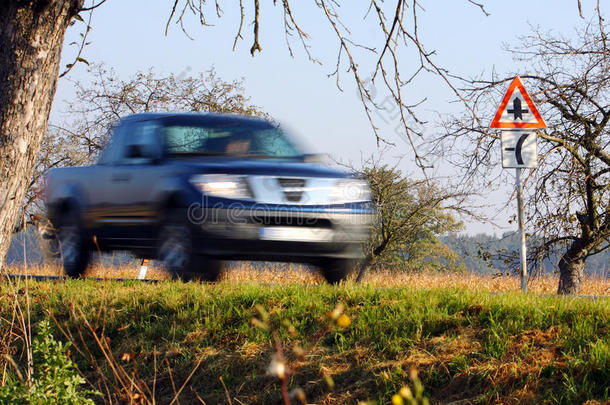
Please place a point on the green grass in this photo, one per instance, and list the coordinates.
(465, 345)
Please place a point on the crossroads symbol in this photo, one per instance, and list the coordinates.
(517, 111)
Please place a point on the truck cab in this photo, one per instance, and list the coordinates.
(194, 190)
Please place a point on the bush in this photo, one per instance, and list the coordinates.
(55, 379)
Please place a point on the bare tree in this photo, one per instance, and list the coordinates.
(399, 34)
(101, 103)
(568, 200)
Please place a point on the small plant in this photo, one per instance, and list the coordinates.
(458, 364)
(414, 396)
(279, 367)
(495, 341)
(55, 379)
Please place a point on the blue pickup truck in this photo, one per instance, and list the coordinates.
(194, 190)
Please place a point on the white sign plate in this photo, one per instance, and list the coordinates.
(519, 149)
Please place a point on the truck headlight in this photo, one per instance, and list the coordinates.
(222, 185)
(350, 190)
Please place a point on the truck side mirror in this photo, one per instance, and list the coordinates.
(135, 151)
(142, 154)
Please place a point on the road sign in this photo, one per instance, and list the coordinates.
(518, 115)
(517, 110)
(519, 149)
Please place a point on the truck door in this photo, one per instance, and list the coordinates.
(132, 181)
(100, 210)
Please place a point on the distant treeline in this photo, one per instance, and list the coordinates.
(485, 253)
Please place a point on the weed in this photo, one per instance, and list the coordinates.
(55, 379)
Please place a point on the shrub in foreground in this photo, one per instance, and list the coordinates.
(55, 379)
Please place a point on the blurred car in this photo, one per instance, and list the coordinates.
(193, 190)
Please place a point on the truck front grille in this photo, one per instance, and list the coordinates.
(293, 188)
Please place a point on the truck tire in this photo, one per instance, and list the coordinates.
(73, 244)
(336, 270)
(175, 251)
(204, 270)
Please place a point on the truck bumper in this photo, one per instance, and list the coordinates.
(280, 235)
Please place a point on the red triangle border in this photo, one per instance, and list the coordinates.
(517, 83)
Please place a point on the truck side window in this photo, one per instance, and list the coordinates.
(142, 143)
(180, 139)
(110, 153)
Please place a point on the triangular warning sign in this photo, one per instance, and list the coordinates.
(517, 110)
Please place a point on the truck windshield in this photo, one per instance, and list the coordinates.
(237, 138)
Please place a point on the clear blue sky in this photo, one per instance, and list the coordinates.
(128, 35)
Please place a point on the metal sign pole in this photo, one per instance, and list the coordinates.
(517, 116)
(521, 230)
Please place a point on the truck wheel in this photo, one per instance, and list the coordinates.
(73, 245)
(335, 270)
(175, 251)
(203, 270)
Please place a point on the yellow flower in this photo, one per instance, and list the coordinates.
(343, 321)
(405, 392)
(397, 400)
(337, 311)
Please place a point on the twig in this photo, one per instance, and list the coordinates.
(226, 390)
(187, 380)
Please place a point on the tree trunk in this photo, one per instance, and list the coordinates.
(31, 36)
(366, 262)
(363, 266)
(572, 268)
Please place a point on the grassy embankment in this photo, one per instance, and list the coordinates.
(199, 343)
(241, 272)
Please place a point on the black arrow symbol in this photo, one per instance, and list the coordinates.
(518, 147)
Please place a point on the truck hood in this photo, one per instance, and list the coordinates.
(264, 167)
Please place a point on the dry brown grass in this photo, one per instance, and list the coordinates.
(471, 281)
(244, 272)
